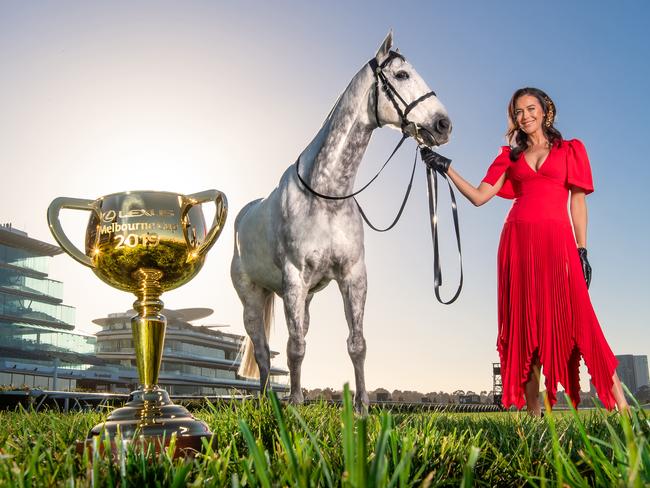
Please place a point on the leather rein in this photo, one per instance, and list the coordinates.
(409, 129)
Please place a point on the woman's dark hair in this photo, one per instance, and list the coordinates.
(516, 137)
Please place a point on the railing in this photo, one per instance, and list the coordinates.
(25, 308)
(14, 280)
(22, 259)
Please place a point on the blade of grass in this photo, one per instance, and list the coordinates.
(181, 475)
(594, 459)
(348, 435)
(314, 442)
(400, 468)
(361, 458)
(379, 461)
(284, 438)
(468, 470)
(259, 460)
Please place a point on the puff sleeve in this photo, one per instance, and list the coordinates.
(578, 168)
(496, 169)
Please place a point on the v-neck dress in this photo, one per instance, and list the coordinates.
(544, 308)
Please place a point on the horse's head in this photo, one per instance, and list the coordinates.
(403, 100)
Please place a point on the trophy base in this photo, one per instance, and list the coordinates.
(150, 418)
(185, 447)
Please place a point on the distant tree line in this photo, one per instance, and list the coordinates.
(406, 396)
(458, 396)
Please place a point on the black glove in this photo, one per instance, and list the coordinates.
(435, 161)
(586, 268)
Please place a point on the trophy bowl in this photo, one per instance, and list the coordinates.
(146, 242)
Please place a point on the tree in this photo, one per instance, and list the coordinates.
(327, 393)
(314, 394)
(642, 395)
(380, 395)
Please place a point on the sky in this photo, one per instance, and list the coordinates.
(103, 97)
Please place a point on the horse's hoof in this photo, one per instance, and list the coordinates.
(296, 399)
(361, 404)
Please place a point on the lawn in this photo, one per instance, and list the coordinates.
(265, 443)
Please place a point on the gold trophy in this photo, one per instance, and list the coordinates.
(146, 242)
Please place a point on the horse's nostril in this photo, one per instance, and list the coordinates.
(443, 124)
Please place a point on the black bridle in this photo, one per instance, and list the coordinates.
(409, 129)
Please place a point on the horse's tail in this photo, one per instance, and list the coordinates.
(248, 366)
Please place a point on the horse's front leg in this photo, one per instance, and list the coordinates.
(294, 296)
(353, 286)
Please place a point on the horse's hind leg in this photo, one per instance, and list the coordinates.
(353, 287)
(254, 298)
(254, 325)
(294, 295)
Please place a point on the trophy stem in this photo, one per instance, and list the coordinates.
(149, 414)
(148, 327)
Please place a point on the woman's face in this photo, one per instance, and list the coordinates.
(529, 114)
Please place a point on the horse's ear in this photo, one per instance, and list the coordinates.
(384, 49)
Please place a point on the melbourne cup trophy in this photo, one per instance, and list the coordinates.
(146, 242)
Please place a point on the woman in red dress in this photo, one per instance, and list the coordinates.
(546, 320)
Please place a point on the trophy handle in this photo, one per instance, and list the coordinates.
(220, 215)
(57, 231)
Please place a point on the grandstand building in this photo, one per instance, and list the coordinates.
(40, 348)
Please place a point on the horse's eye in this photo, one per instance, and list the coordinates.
(402, 75)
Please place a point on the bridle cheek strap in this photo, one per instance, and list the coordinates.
(391, 93)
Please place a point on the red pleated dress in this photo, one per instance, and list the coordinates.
(543, 303)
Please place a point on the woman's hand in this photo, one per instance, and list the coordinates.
(435, 161)
(586, 267)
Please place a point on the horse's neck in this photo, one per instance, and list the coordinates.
(332, 159)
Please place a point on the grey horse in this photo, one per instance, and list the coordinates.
(293, 243)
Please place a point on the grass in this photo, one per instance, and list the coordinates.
(264, 444)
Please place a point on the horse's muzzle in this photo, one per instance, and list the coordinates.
(441, 130)
(437, 134)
